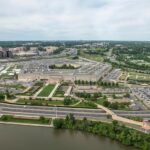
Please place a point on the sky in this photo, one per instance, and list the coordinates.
(75, 20)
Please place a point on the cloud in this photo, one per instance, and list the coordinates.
(74, 20)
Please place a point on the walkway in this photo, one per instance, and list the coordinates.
(114, 116)
(68, 91)
(39, 91)
(53, 91)
(118, 118)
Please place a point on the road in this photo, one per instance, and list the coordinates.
(61, 112)
(144, 114)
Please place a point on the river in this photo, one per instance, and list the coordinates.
(14, 137)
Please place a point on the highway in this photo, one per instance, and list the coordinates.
(61, 112)
(144, 114)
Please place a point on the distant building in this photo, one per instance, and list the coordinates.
(5, 53)
(1, 54)
(40, 69)
(9, 54)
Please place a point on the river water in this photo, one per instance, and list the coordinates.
(14, 137)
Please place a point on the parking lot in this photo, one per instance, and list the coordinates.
(142, 93)
(113, 76)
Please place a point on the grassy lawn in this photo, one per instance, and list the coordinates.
(10, 68)
(116, 105)
(100, 101)
(59, 92)
(139, 76)
(16, 86)
(40, 102)
(92, 57)
(7, 118)
(31, 91)
(57, 103)
(47, 90)
(86, 105)
(6, 76)
(39, 83)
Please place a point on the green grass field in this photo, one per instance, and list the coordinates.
(100, 101)
(41, 102)
(47, 90)
(86, 105)
(92, 57)
(7, 118)
(59, 92)
(139, 77)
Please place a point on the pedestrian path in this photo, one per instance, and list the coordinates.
(54, 90)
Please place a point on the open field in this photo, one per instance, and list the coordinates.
(60, 91)
(86, 105)
(47, 90)
(31, 91)
(7, 118)
(16, 86)
(41, 102)
(91, 57)
(141, 77)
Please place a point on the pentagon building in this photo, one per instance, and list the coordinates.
(81, 70)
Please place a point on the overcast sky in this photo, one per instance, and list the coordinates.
(75, 20)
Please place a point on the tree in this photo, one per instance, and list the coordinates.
(6, 117)
(2, 97)
(42, 119)
(72, 119)
(82, 82)
(115, 123)
(104, 97)
(96, 95)
(79, 82)
(106, 103)
(67, 101)
(58, 123)
(114, 96)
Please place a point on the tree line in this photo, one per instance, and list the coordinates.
(113, 130)
(99, 83)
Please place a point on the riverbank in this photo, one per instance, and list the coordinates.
(41, 121)
(26, 124)
(114, 131)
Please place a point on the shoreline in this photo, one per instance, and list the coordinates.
(26, 124)
(52, 126)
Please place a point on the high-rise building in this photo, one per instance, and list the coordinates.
(5, 53)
